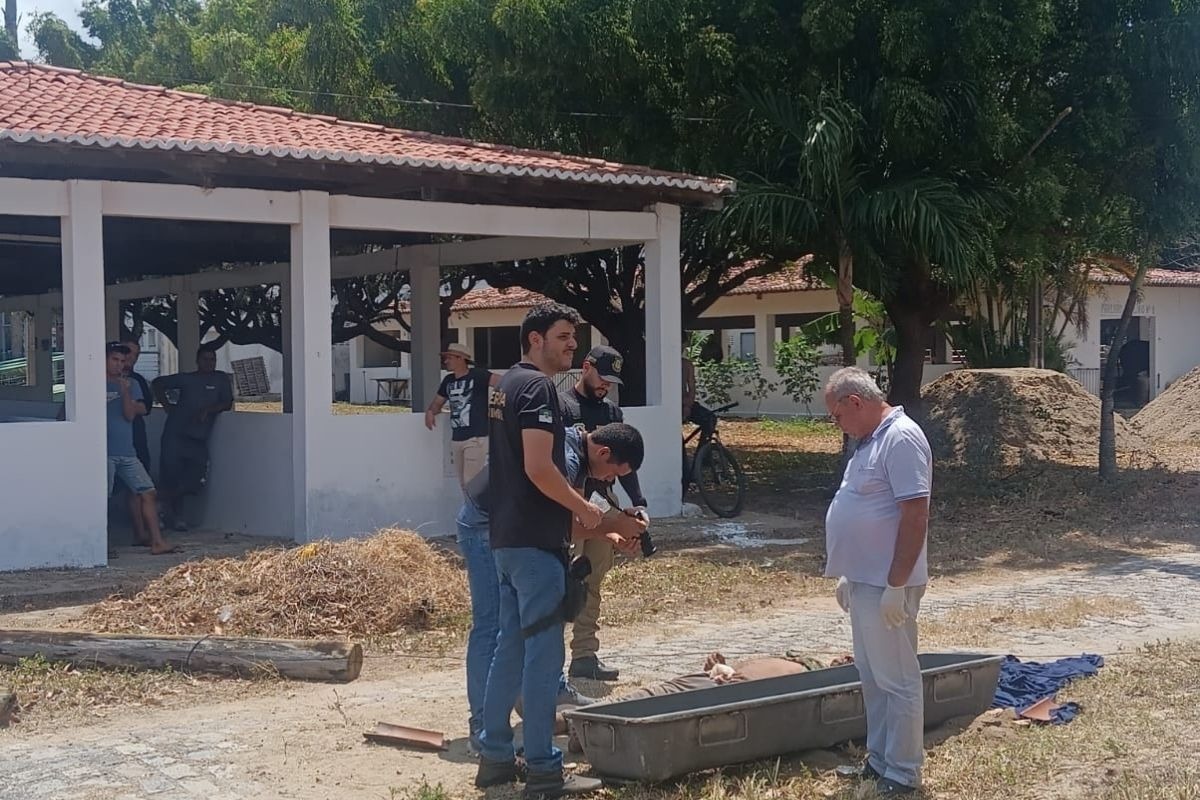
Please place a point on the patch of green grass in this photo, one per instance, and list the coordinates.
(797, 426)
(422, 791)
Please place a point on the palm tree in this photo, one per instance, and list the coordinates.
(829, 188)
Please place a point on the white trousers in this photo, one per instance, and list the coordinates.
(891, 684)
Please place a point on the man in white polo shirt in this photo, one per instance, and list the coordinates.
(875, 533)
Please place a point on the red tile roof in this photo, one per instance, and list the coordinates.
(485, 297)
(791, 279)
(49, 104)
(1154, 277)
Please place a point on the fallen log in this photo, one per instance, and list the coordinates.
(219, 655)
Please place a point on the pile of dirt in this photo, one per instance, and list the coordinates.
(1174, 416)
(995, 418)
(388, 583)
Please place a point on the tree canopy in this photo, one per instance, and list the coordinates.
(947, 146)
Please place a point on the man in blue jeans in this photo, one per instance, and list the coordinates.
(531, 510)
(609, 452)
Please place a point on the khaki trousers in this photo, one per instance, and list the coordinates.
(468, 458)
(584, 639)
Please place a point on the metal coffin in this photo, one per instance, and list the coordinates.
(657, 738)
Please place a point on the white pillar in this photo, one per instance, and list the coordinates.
(664, 345)
(187, 316)
(764, 339)
(83, 332)
(426, 335)
(311, 347)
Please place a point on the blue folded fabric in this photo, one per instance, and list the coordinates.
(1024, 683)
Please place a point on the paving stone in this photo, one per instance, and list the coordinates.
(179, 771)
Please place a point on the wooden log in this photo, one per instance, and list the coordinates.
(219, 655)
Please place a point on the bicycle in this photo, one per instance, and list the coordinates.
(714, 471)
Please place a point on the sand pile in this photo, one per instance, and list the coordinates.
(1174, 416)
(989, 418)
(391, 582)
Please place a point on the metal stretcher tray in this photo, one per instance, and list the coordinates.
(657, 738)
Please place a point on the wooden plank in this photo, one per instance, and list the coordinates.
(297, 659)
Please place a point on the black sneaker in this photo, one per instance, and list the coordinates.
(594, 668)
(550, 785)
(496, 773)
(886, 787)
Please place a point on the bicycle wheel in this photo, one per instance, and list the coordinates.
(720, 480)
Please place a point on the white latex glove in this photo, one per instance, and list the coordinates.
(891, 606)
(842, 593)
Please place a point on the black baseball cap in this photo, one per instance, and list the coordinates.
(607, 362)
(116, 347)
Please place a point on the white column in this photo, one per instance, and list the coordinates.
(40, 364)
(187, 315)
(311, 347)
(426, 336)
(764, 339)
(664, 346)
(83, 332)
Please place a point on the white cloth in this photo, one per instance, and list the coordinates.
(893, 464)
(893, 695)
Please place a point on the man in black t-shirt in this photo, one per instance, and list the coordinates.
(466, 390)
(587, 405)
(530, 520)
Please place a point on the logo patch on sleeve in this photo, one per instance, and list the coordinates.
(545, 416)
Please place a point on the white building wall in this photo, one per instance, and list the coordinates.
(1175, 344)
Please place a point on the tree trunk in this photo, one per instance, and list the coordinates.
(300, 660)
(845, 297)
(905, 389)
(10, 20)
(1108, 382)
(628, 338)
(1034, 319)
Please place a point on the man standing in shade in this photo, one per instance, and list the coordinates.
(530, 521)
(875, 534)
(587, 405)
(466, 390)
(192, 400)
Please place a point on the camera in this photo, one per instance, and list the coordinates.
(648, 546)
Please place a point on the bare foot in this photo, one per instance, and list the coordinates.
(713, 659)
(163, 548)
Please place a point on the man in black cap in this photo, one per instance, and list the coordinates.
(587, 405)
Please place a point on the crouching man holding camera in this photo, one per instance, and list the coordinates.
(534, 506)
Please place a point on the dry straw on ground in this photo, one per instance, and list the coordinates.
(391, 582)
(995, 418)
(1174, 416)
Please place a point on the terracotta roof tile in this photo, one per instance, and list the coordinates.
(1154, 277)
(51, 104)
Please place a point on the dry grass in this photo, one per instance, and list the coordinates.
(389, 583)
(989, 624)
(1037, 516)
(1133, 741)
(276, 407)
(669, 585)
(64, 694)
